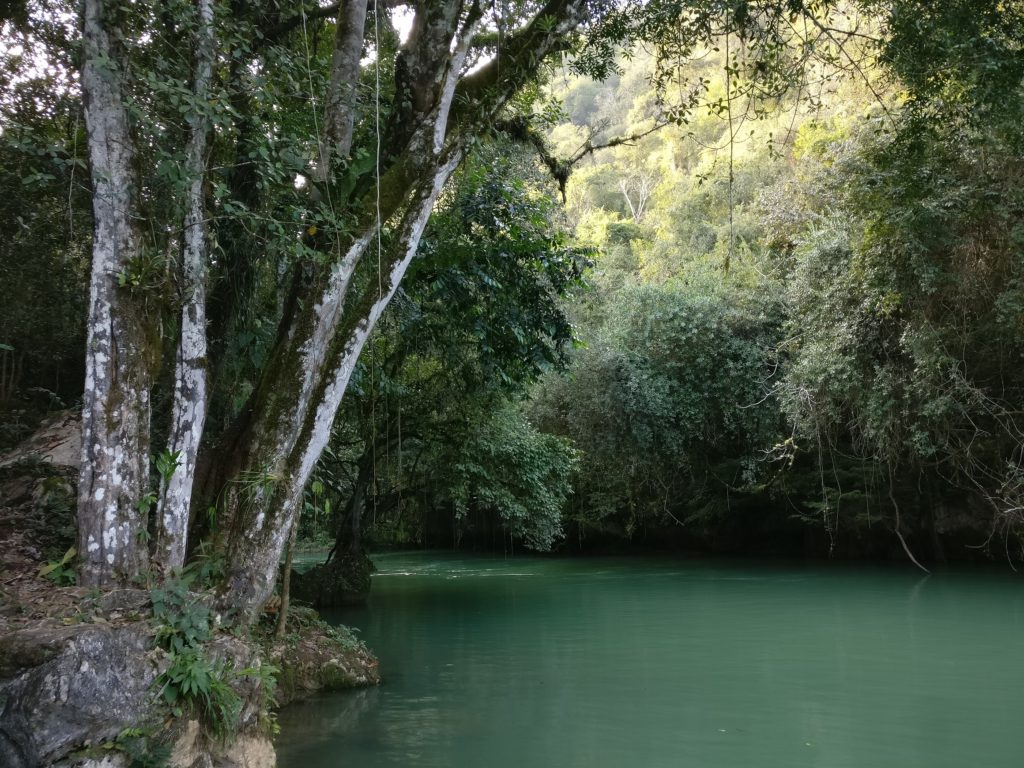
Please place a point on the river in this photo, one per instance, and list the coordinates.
(641, 662)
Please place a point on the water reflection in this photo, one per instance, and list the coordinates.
(662, 663)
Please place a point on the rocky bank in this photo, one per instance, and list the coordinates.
(83, 673)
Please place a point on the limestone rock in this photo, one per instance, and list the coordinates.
(68, 690)
(57, 442)
(92, 682)
(317, 657)
(247, 750)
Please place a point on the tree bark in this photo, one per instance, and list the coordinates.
(286, 583)
(293, 424)
(266, 502)
(120, 352)
(287, 422)
(353, 516)
(188, 416)
(340, 109)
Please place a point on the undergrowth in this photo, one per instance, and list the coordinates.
(195, 684)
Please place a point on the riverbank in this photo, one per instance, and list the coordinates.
(94, 679)
(151, 675)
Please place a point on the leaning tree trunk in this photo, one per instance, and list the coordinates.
(298, 398)
(267, 493)
(287, 422)
(188, 415)
(119, 352)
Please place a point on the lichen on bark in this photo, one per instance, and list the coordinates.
(116, 408)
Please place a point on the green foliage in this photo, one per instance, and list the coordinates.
(141, 749)
(167, 463)
(266, 677)
(905, 305)
(810, 321)
(669, 403)
(61, 572)
(183, 619)
(479, 319)
(195, 683)
(45, 219)
(510, 470)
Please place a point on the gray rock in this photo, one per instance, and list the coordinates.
(57, 441)
(81, 685)
(67, 688)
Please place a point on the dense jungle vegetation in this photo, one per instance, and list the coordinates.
(729, 277)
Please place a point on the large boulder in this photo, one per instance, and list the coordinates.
(65, 687)
(67, 694)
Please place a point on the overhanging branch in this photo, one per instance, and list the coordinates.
(519, 129)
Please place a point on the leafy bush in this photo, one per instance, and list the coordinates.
(520, 475)
(193, 684)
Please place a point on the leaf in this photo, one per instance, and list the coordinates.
(53, 566)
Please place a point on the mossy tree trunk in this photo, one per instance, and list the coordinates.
(119, 355)
(437, 109)
(439, 105)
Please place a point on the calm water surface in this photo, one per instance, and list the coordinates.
(642, 662)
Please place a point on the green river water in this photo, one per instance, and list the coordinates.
(603, 663)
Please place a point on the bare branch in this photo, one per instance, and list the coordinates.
(519, 129)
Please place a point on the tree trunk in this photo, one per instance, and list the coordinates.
(355, 508)
(188, 416)
(263, 502)
(286, 583)
(340, 109)
(356, 527)
(120, 352)
(286, 424)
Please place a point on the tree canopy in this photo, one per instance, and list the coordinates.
(270, 238)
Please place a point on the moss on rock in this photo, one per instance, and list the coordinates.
(315, 656)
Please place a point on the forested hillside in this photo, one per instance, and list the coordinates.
(799, 333)
(803, 328)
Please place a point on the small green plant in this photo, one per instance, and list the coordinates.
(207, 567)
(266, 678)
(146, 502)
(193, 684)
(167, 464)
(143, 273)
(182, 620)
(254, 485)
(61, 572)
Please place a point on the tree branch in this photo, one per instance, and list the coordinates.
(519, 129)
(274, 33)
